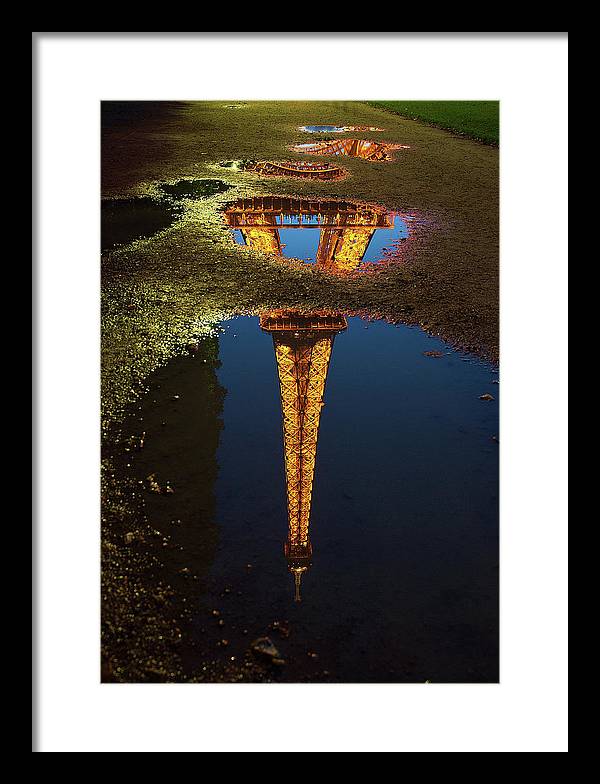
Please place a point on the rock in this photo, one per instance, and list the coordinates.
(264, 648)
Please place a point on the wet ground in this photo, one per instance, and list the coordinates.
(126, 220)
(404, 576)
(450, 285)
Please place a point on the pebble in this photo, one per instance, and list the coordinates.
(264, 647)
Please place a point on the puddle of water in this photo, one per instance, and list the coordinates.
(354, 473)
(347, 234)
(126, 220)
(353, 148)
(338, 128)
(194, 189)
(297, 169)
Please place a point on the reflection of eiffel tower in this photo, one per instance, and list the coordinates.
(353, 148)
(303, 345)
(300, 169)
(346, 228)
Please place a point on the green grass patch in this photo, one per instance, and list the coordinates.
(477, 119)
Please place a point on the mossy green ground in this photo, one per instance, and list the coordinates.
(162, 294)
(476, 119)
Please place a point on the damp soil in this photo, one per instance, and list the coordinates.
(194, 189)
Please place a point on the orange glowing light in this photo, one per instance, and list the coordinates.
(303, 345)
(346, 228)
(352, 148)
(298, 169)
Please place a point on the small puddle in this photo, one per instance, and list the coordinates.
(345, 234)
(353, 148)
(334, 488)
(338, 128)
(126, 220)
(194, 189)
(297, 169)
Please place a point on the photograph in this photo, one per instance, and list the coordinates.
(300, 391)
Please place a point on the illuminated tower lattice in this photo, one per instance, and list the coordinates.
(303, 345)
(343, 249)
(298, 169)
(346, 228)
(353, 148)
